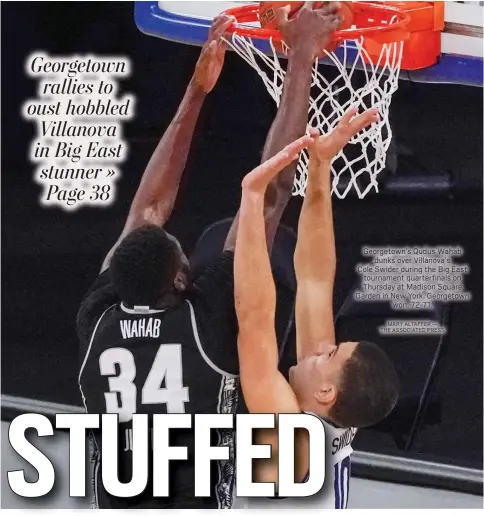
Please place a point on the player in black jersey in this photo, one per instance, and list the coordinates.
(158, 335)
(154, 340)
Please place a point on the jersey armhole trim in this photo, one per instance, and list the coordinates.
(200, 348)
(88, 352)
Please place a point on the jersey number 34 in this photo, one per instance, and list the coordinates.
(122, 396)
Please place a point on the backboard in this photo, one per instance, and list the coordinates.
(462, 51)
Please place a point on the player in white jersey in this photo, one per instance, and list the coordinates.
(335, 491)
(348, 386)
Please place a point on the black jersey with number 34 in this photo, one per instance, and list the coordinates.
(139, 360)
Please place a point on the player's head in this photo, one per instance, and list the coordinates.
(353, 384)
(148, 265)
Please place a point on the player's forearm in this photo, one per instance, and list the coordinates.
(160, 182)
(255, 293)
(314, 264)
(315, 255)
(289, 124)
(292, 115)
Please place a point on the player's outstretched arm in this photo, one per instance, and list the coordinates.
(307, 35)
(265, 389)
(315, 255)
(255, 293)
(156, 194)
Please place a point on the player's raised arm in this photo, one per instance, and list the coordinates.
(156, 194)
(307, 34)
(264, 388)
(315, 256)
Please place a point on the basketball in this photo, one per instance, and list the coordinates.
(267, 15)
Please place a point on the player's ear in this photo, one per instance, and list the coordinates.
(326, 394)
(180, 282)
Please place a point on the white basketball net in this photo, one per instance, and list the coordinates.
(359, 163)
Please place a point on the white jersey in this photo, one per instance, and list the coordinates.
(335, 492)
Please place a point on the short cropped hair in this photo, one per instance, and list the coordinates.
(144, 265)
(368, 390)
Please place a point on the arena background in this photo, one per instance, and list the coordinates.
(49, 258)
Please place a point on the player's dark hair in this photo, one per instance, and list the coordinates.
(369, 388)
(144, 266)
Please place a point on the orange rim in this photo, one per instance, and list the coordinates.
(385, 13)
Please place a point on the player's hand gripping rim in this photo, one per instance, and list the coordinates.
(260, 177)
(311, 28)
(211, 60)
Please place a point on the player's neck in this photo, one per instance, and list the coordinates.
(168, 300)
(316, 408)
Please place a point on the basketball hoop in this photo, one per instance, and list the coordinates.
(374, 45)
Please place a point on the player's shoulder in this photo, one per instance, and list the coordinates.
(216, 273)
(100, 296)
(101, 288)
(338, 439)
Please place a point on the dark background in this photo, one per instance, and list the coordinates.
(49, 257)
